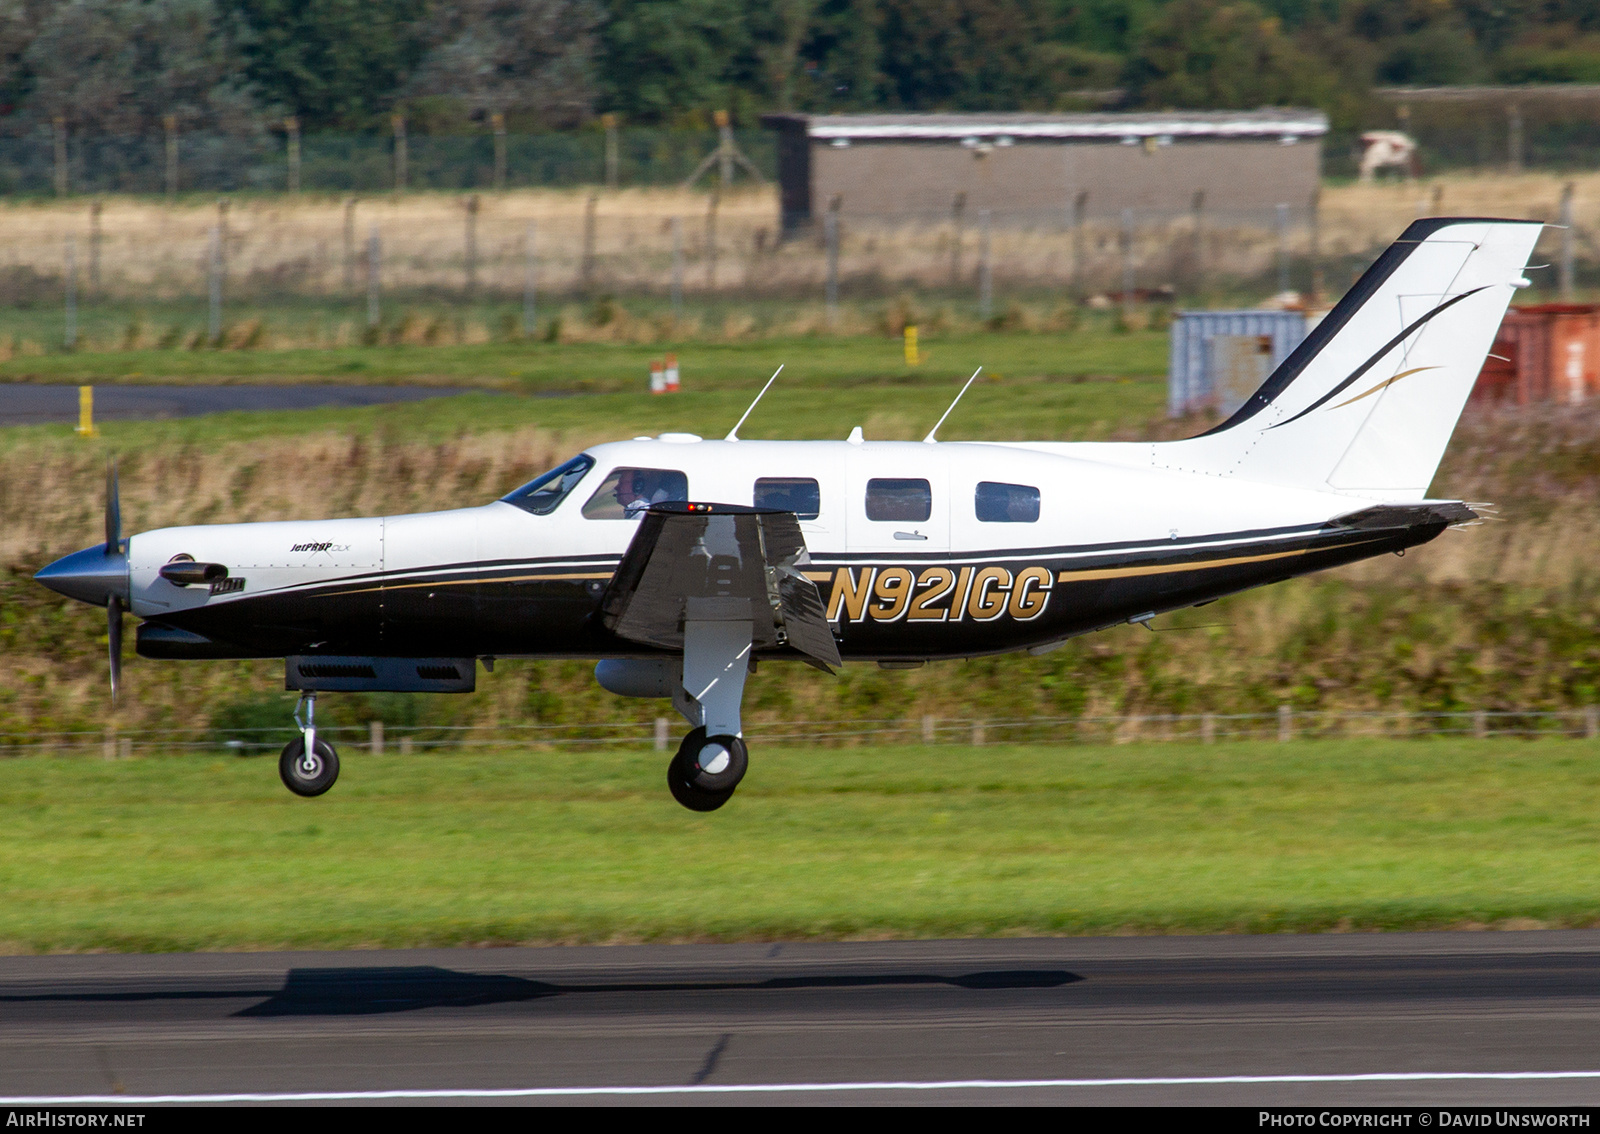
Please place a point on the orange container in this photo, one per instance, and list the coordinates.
(1549, 352)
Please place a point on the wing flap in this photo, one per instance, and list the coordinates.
(718, 563)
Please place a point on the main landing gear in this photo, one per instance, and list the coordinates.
(716, 659)
(706, 769)
(309, 765)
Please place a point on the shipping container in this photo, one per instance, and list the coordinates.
(1549, 352)
(1220, 358)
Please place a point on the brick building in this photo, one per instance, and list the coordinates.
(1046, 168)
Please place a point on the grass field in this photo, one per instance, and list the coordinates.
(499, 848)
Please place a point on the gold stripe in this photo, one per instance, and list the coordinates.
(1192, 565)
(1384, 385)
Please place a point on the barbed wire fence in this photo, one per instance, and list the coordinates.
(1285, 725)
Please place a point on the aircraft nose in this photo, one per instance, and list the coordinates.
(92, 575)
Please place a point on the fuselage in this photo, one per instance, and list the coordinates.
(919, 551)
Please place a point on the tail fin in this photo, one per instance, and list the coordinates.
(1366, 404)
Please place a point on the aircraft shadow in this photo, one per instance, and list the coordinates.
(373, 991)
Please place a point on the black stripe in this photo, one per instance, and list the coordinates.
(1373, 361)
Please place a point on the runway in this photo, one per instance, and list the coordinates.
(1407, 1019)
(24, 403)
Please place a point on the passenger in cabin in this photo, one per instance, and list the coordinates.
(637, 489)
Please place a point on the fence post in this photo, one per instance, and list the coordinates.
(1283, 248)
(214, 288)
(1197, 210)
(711, 237)
(1127, 267)
(985, 268)
(677, 268)
(169, 123)
(109, 749)
(471, 248)
(1208, 728)
(95, 208)
(613, 160)
(661, 734)
(58, 134)
(69, 337)
(375, 737)
(1314, 231)
(929, 728)
(1480, 724)
(1514, 138)
(958, 208)
(1591, 722)
(1285, 724)
(830, 237)
(978, 734)
(530, 281)
(374, 264)
(125, 748)
(349, 245)
(1080, 208)
(1569, 241)
(398, 123)
(497, 121)
(586, 265)
(291, 129)
(406, 745)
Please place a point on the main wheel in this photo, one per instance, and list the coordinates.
(685, 792)
(713, 763)
(308, 776)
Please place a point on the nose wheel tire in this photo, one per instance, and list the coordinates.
(311, 775)
(705, 770)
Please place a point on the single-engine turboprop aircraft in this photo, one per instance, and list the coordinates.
(678, 562)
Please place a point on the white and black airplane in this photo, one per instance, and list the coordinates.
(678, 562)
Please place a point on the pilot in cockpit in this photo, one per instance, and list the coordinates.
(637, 489)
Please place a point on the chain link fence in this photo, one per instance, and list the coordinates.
(1284, 726)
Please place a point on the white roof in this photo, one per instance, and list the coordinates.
(1176, 123)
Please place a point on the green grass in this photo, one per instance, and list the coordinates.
(820, 361)
(210, 852)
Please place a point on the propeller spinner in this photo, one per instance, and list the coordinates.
(99, 575)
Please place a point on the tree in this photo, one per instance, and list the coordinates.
(534, 56)
(665, 59)
(331, 62)
(1205, 53)
(121, 66)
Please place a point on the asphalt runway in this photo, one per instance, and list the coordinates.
(23, 403)
(1413, 1019)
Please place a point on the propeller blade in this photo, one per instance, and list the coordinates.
(113, 511)
(114, 636)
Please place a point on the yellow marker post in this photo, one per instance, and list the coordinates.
(913, 355)
(86, 412)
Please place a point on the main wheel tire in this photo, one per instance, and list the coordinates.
(694, 798)
(308, 777)
(713, 763)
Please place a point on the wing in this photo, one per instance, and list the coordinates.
(718, 563)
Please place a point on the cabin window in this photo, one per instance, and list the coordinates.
(998, 503)
(627, 492)
(798, 494)
(544, 493)
(899, 500)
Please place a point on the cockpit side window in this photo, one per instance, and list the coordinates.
(543, 494)
(628, 492)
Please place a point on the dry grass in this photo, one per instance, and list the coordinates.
(151, 250)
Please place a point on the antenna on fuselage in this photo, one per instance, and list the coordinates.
(929, 439)
(733, 434)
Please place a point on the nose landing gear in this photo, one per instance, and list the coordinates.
(309, 766)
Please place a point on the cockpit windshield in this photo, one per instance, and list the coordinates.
(543, 494)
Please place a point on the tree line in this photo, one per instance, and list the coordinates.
(237, 66)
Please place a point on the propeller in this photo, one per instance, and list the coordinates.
(114, 603)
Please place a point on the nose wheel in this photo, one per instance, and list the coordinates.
(706, 769)
(309, 765)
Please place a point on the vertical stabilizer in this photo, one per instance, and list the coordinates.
(1366, 404)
